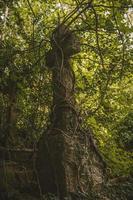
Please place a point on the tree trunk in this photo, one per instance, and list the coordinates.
(11, 114)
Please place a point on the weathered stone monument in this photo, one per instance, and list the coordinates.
(67, 160)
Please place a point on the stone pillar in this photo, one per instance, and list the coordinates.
(66, 161)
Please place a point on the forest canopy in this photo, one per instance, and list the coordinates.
(103, 72)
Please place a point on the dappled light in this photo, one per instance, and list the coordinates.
(66, 100)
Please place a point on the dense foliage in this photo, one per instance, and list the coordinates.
(103, 72)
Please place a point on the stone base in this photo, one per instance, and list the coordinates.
(68, 164)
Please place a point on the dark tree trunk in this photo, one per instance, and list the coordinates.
(10, 116)
(67, 162)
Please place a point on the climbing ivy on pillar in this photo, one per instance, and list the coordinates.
(64, 44)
